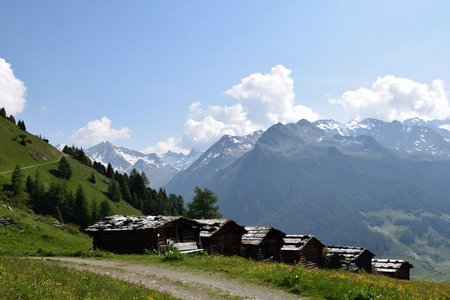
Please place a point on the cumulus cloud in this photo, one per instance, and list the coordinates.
(98, 131)
(171, 144)
(12, 90)
(261, 100)
(269, 98)
(395, 98)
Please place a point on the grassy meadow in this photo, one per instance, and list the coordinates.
(322, 284)
(37, 279)
(33, 234)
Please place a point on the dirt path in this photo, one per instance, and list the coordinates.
(32, 166)
(181, 284)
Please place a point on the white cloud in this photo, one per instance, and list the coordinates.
(12, 90)
(97, 131)
(171, 144)
(395, 98)
(269, 98)
(261, 101)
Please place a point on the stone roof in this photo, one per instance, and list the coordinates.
(348, 252)
(120, 223)
(256, 234)
(295, 242)
(389, 265)
(210, 226)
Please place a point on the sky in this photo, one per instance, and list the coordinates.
(175, 75)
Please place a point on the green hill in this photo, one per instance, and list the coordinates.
(20, 147)
(24, 233)
(38, 158)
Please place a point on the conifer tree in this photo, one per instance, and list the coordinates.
(80, 208)
(29, 184)
(92, 178)
(105, 209)
(114, 191)
(64, 168)
(203, 206)
(11, 118)
(17, 181)
(2, 112)
(21, 125)
(110, 171)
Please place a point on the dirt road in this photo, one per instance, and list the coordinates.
(181, 284)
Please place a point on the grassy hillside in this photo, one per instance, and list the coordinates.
(31, 234)
(36, 156)
(12, 152)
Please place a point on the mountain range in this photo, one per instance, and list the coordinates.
(369, 183)
(158, 168)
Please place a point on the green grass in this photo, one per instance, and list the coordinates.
(12, 152)
(39, 235)
(326, 284)
(41, 157)
(36, 279)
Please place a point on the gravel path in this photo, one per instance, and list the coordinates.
(181, 284)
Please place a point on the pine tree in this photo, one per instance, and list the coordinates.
(176, 205)
(203, 206)
(110, 171)
(64, 168)
(92, 178)
(105, 209)
(21, 125)
(17, 181)
(114, 191)
(80, 208)
(11, 118)
(29, 184)
(2, 112)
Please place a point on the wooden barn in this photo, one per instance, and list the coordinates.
(262, 243)
(305, 249)
(220, 236)
(393, 268)
(349, 258)
(141, 233)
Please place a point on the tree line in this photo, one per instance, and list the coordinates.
(134, 188)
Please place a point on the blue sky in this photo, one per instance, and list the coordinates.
(133, 69)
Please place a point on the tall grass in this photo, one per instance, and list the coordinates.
(326, 284)
(34, 279)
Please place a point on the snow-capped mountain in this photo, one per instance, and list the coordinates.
(158, 168)
(219, 156)
(413, 137)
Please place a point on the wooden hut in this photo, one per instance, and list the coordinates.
(262, 243)
(141, 233)
(393, 268)
(349, 258)
(305, 249)
(220, 236)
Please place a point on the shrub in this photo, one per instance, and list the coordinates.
(171, 254)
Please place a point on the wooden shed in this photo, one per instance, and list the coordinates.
(141, 233)
(220, 236)
(305, 249)
(262, 243)
(349, 258)
(393, 268)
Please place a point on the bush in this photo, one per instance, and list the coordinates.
(171, 254)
